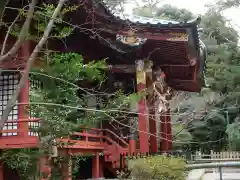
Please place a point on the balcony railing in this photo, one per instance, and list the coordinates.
(21, 135)
(88, 138)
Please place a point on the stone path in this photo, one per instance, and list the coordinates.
(226, 176)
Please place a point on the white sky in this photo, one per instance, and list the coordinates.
(197, 7)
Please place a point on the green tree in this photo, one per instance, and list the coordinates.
(146, 8)
(115, 5)
(225, 4)
(173, 13)
(155, 167)
(234, 135)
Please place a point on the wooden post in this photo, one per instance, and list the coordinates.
(133, 128)
(97, 169)
(45, 168)
(169, 131)
(132, 143)
(24, 95)
(22, 111)
(163, 142)
(153, 132)
(142, 107)
(166, 132)
(151, 111)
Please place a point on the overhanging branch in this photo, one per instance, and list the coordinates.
(22, 35)
(30, 63)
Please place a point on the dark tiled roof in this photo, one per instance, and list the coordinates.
(140, 20)
(156, 23)
(144, 20)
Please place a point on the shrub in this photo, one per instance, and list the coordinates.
(157, 167)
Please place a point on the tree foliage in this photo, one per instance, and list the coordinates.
(173, 13)
(233, 131)
(157, 167)
(225, 4)
(2, 7)
(115, 5)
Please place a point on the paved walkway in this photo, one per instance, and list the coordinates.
(196, 174)
(226, 176)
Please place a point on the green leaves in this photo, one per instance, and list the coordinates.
(23, 160)
(157, 167)
(41, 17)
(225, 4)
(173, 13)
(2, 7)
(233, 132)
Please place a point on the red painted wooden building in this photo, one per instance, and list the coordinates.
(137, 50)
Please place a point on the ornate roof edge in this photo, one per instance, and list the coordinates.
(156, 23)
(144, 21)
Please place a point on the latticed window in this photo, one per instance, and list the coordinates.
(34, 84)
(8, 84)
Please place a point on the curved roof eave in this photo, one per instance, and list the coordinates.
(155, 22)
(141, 20)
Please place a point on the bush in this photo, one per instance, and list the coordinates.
(157, 167)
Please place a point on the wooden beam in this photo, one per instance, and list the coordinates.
(24, 96)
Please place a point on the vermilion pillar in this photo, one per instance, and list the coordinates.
(153, 131)
(151, 111)
(133, 128)
(97, 168)
(142, 107)
(166, 132)
(132, 142)
(24, 95)
(163, 127)
(169, 130)
(45, 169)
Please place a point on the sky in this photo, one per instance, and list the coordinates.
(198, 7)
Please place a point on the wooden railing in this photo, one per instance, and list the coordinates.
(108, 134)
(225, 155)
(22, 126)
(87, 138)
(96, 137)
(21, 137)
(217, 156)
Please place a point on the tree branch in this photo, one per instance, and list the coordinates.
(3, 4)
(23, 33)
(30, 63)
(7, 35)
